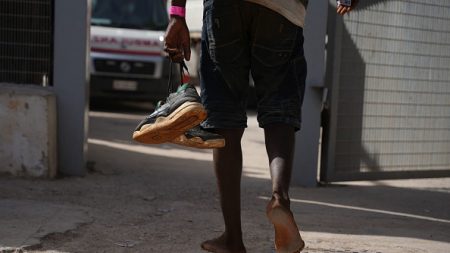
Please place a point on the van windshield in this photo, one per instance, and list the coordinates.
(134, 14)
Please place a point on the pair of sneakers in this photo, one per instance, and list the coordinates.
(177, 120)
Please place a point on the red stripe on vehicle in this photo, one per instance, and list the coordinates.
(121, 51)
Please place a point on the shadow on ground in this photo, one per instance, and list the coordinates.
(358, 210)
(164, 199)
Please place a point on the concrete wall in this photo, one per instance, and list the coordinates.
(27, 131)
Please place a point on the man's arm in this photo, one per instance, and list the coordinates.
(342, 9)
(180, 3)
(177, 39)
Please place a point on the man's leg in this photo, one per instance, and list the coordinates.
(224, 68)
(228, 168)
(280, 140)
(279, 82)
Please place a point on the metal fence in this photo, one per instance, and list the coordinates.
(26, 41)
(390, 115)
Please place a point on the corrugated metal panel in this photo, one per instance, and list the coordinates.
(26, 41)
(393, 105)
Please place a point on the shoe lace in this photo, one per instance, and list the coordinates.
(183, 78)
(171, 86)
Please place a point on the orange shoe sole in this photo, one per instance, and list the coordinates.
(165, 129)
(198, 142)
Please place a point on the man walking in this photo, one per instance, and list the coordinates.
(263, 38)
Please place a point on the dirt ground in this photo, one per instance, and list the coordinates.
(164, 199)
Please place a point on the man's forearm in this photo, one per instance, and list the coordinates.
(180, 3)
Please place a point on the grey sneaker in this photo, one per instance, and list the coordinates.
(181, 111)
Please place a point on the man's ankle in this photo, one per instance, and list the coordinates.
(282, 199)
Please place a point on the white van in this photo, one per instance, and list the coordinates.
(127, 57)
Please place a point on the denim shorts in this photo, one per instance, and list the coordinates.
(240, 39)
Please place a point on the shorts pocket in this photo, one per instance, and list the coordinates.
(224, 32)
(274, 40)
(271, 57)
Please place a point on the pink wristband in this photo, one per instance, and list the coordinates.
(177, 11)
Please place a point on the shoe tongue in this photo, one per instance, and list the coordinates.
(183, 87)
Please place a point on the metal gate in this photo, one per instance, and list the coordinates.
(388, 73)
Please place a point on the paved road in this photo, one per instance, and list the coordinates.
(140, 198)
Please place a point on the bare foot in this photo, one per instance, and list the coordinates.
(287, 236)
(220, 245)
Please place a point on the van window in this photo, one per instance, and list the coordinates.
(134, 14)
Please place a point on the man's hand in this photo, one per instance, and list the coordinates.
(177, 40)
(341, 9)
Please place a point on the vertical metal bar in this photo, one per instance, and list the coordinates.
(307, 139)
(71, 51)
(334, 47)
